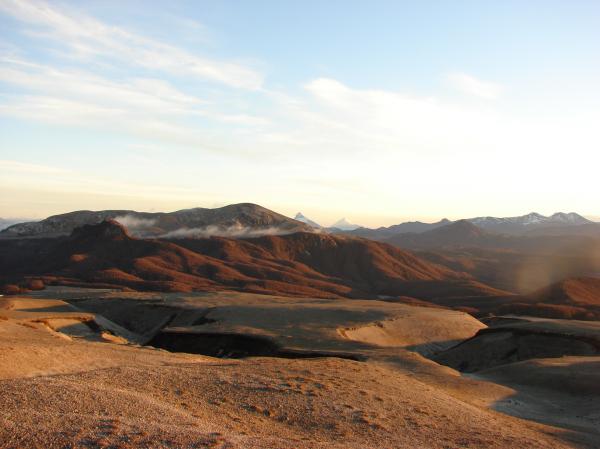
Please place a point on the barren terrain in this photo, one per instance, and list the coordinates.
(74, 378)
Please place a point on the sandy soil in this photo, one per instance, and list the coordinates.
(405, 329)
(566, 391)
(67, 393)
(293, 323)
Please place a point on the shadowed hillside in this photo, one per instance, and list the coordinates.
(296, 264)
(460, 233)
(574, 298)
(575, 291)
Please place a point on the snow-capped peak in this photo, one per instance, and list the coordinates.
(570, 218)
(530, 220)
(345, 225)
(300, 217)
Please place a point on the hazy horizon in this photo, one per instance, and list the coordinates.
(381, 112)
(329, 222)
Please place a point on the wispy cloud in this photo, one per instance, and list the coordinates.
(26, 168)
(470, 85)
(48, 179)
(330, 117)
(88, 37)
(215, 124)
(140, 93)
(144, 107)
(133, 223)
(391, 121)
(97, 86)
(235, 231)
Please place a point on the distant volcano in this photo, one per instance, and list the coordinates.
(300, 217)
(345, 225)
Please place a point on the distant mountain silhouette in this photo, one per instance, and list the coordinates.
(300, 217)
(247, 220)
(344, 225)
(527, 223)
(559, 223)
(587, 229)
(383, 233)
(456, 234)
(243, 219)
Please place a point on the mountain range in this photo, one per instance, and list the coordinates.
(236, 220)
(248, 220)
(248, 248)
(455, 234)
(386, 232)
(298, 264)
(516, 263)
(530, 224)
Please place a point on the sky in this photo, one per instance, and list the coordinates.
(378, 111)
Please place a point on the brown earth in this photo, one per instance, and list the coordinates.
(575, 291)
(521, 271)
(519, 264)
(79, 392)
(573, 298)
(299, 264)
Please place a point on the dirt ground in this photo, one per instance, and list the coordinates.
(68, 386)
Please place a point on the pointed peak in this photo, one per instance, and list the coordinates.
(535, 214)
(465, 224)
(569, 217)
(345, 225)
(302, 218)
(460, 227)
